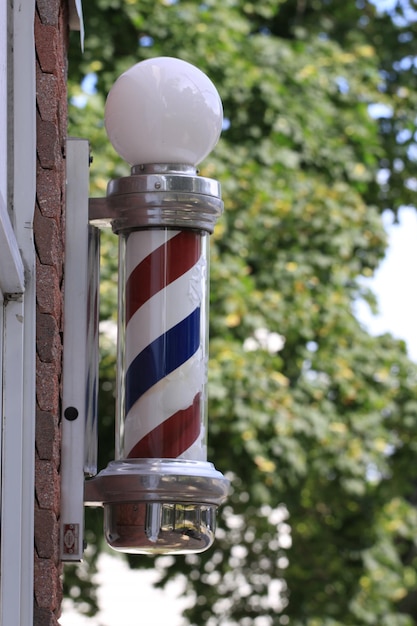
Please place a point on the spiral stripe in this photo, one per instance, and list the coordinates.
(92, 340)
(161, 268)
(156, 313)
(162, 357)
(173, 393)
(171, 438)
(152, 241)
(165, 366)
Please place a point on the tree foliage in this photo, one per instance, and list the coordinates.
(311, 417)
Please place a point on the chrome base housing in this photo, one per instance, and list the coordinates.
(158, 506)
(159, 528)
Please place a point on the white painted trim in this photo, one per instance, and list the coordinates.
(76, 20)
(12, 275)
(1, 394)
(75, 350)
(3, 191)
(19, 404)
(12, 561)
(3, 98)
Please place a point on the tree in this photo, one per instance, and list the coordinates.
(311, 417)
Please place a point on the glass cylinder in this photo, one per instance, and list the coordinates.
(162, 345)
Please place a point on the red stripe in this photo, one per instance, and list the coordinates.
(160, 268)
(171, 438)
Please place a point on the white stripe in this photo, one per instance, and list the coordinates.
(141, 243)
(164, 310)
(173, 393)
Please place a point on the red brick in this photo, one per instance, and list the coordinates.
(46, 38)
(48, 11)
(48, 339)
(48, 436)
(49, 192)
(47, 485)
(46, 534)
(47, 144)
(47, 386)
(51, 40)
(48, 241)
(48, 290)
(44, 617)
(46, 95)
(47, 587)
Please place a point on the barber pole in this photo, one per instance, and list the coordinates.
(160, 495)
(165, 345)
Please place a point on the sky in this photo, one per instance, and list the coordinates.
(126, 596)
(395, 283)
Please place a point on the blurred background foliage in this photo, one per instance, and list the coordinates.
(313, 419)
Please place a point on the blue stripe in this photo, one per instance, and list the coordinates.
(161, 357)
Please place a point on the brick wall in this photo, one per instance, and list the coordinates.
(51, 64)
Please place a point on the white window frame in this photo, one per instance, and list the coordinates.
(17, 309)
(3, 166)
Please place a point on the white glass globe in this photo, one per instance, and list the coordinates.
(163, 110)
